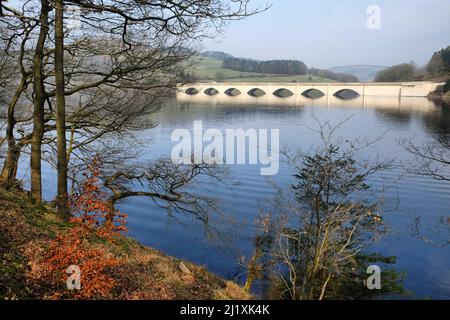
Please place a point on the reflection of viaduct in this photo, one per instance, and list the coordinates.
(344, 91)
(419, 104)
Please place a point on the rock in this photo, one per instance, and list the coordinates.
(184, 269)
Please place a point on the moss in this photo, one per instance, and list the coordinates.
(13, 271)
(13, 263)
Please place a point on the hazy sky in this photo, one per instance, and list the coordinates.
(327, 33)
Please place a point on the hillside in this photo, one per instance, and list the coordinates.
(26, 233)
(365, 73)
(206, 68)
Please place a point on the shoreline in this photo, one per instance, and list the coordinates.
(143, 273)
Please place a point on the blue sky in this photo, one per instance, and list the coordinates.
(327, 33)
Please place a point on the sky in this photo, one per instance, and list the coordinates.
(329, 33)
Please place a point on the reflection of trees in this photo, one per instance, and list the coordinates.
(260, 110)
(192, 111)
(432, 158)
(394, 116)
(438, 122)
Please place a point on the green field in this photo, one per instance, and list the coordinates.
(210, 69)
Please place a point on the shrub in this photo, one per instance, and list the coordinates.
(440, 63)
(447, 86)
(93, 222)
(401, 72)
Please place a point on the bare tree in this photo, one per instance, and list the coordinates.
(16, 81)
(319, 229)
(431, 159)
(39, 101)
(5, 77)
(122, 46)
(169, 185)
(62, 169)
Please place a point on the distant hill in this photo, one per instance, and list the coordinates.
(219, 55)
(365, 73)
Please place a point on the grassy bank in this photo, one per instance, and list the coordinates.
(143, 273)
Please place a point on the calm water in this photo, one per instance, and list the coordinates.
(427, 266)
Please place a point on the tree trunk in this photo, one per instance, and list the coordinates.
(252, 269)
(112, 207)
(39, 103)
(9, 170)
(62, 197)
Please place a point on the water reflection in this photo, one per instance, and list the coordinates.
(426, 266)
(406, 104)
(438, 122)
